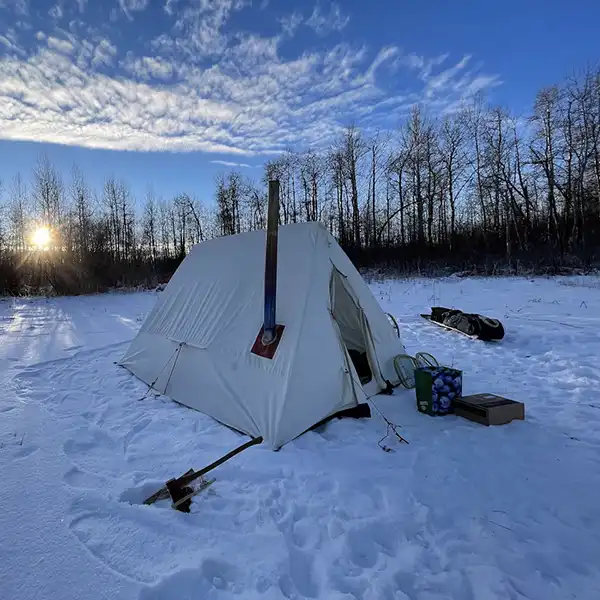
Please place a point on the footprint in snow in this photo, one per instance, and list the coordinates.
(95, 451)
(134, 431)
(140, 545)
(303, 534)
(78, 479)
(216, 579)
(17, 446)
(392, 592)
(351, 587)
(137, 494)
(64, 404)
(361, 549)
(335, 528)
(73, 348)
(262, 584)
(222, 575)
(25, 450)
(300, 576)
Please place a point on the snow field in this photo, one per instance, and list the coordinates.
(463, 511)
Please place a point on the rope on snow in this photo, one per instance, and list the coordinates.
(175, 354)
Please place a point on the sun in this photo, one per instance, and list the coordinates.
(41, 238)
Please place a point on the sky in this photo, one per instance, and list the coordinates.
(165, 94)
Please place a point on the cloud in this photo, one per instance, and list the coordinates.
(20, 7)
(234, 165)
(198, 28)
(103, 54)
(170, 6)
(290, 23)
(325, 23)
(56, 12)
(10, 42)
(148, 68)
(62, 46)
(455, 79)
(201, 87)
(130, 6)
(440, 81)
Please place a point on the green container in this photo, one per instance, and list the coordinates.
(437, 388)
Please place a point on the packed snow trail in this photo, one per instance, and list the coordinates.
(38, 559)
(463, 511)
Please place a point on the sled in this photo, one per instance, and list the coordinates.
(443, 325)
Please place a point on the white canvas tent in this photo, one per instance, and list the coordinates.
(195, 345)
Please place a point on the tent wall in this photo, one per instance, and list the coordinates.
(319, 385)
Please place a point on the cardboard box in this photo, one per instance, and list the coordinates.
(489, 409)
(437, 389)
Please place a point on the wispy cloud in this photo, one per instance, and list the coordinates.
(148, 68)
(198, 28)
(202, 87)
(11, 44)
(103, 54)
(62, 46)
(21, 7)
(291, 22)
(228, 163)
(56, 12)
(131, 6)
(324, 23)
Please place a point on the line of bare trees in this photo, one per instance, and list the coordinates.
(479, 188)
(476, 189)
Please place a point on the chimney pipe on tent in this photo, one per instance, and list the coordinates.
(270, 333)
(269, 325)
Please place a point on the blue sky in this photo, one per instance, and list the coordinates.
(170, 92)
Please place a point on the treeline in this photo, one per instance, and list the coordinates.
(479, 189)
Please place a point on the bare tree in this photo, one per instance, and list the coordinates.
(81, 201)
(354, 150)
(311, 174)
(476, 122)
(453, 156)
(543, 148)
(48, 195)
(150, 226)
(17, 214)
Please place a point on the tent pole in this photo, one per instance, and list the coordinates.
(269, 325)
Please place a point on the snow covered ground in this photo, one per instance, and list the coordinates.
(462, 512)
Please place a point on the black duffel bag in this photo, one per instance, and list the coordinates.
(473, 324)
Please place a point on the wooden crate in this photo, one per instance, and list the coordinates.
(489, 409)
